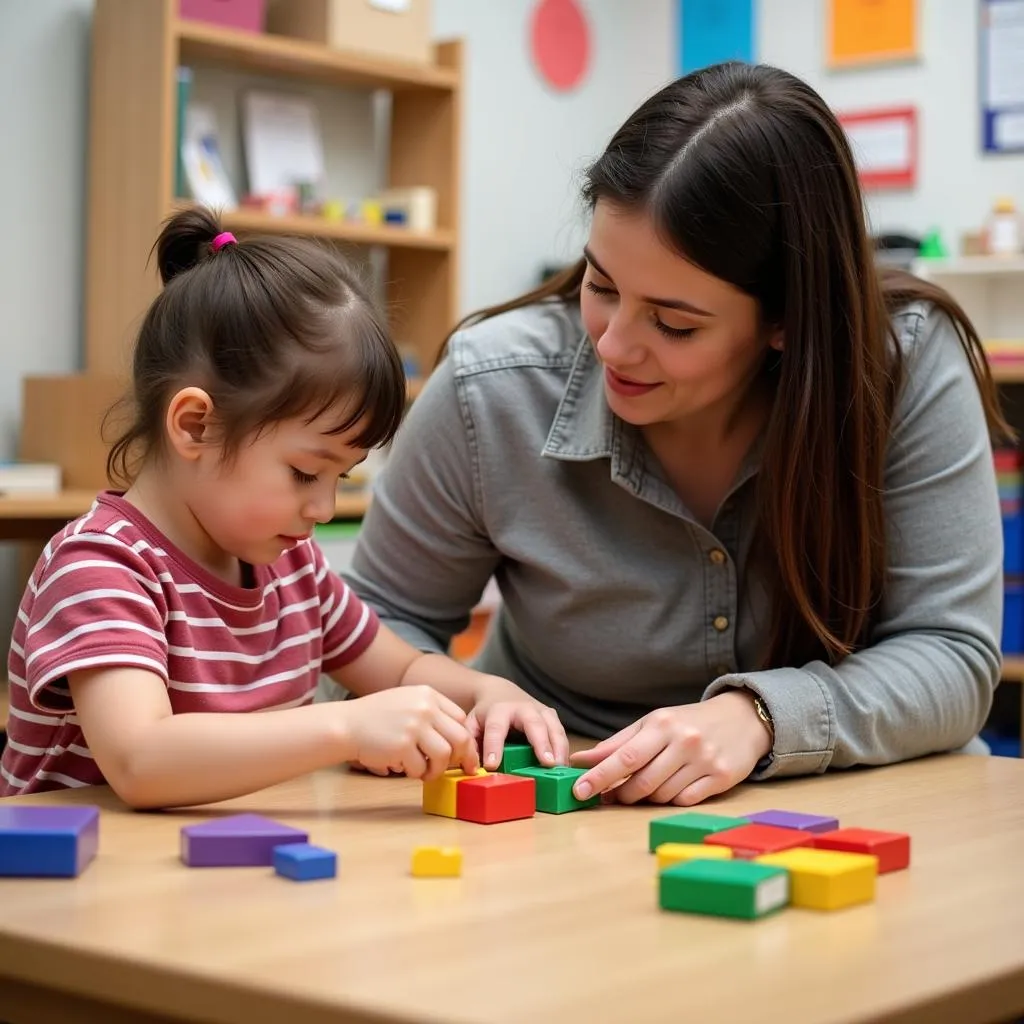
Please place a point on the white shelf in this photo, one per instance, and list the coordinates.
(969, 266)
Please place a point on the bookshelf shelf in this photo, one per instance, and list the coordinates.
(278, 55)
(256, 222)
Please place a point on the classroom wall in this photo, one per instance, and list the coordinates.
(956, 183)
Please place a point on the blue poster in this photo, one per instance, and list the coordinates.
(1002, 76)
(715, 30)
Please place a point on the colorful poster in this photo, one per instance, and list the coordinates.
(1002, 76)
(871, 31)
(711, 31)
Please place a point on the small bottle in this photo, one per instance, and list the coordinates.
(1003, 232)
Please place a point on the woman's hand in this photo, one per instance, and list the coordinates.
(680, 755)
(501, 706)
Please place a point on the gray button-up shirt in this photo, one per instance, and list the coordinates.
(615, 601)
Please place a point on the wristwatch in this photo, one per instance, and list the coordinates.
(765, 715)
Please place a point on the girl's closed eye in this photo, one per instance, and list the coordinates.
(596, 289)
(673, 332)
(303, 478)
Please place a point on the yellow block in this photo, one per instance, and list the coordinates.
(672, 853)
(439, 794)
(826, 879)
(437, 862)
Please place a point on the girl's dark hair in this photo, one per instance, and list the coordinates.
(272, 328)
(744, 171)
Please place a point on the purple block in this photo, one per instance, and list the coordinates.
(47, 842)
(794, 819)
(243, 840)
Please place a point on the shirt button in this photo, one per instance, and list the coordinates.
(721, 623)
(717, 556)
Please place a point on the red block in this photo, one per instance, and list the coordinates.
(750, 841)
(489, 799)
(891, 848)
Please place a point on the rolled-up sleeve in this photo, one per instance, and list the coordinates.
(925, 682)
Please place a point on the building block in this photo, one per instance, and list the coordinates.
(437, 862)
(891, 848)
(47, 842)
(794, 819)
(302, 862)
(242, 840)
(727, 888)
(826, 879)
(517, 755)
(494, 798)
(676, 853)
(439, 795)
(690, 827)
(554, 789)
(749, 841)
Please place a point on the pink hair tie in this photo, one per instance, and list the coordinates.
(224, 238)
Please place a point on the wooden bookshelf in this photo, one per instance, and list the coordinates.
(137, 45)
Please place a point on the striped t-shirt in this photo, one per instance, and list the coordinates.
(110, 589)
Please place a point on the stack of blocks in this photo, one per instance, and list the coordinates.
(753, 865)
(518, 789)
(250, 840)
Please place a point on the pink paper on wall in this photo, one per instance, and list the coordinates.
(560, 42)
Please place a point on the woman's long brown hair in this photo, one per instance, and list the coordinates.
(745, 171)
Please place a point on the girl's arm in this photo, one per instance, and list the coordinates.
(495, 704)
(154, 758)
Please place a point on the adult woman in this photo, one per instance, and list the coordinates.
(735, 485)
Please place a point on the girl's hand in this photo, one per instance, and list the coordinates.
(502, 706)
(679, 755)
(410, 729)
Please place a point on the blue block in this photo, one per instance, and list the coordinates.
(47, 842)
(305, 863)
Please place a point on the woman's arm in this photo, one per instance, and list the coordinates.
(424, 556)
(925, 684)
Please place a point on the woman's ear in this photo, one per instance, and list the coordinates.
(188, 422)
(775, 339)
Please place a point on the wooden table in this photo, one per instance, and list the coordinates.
(554, 918)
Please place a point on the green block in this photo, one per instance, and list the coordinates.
(690, 827)
(554, 789)
(517, 755)
(726, 888)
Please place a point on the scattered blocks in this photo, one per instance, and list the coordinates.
(794, 819)
(749, 841)
(494, 798)
(554, 789)
(47, 842)
(826, 879)
(517, 755)
(302, 862)
(891, 848)
(689, 827)
(676, 853)
(437, 862)
(726, 888)
(439, 795)
(243, 840)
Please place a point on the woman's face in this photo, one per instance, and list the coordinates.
(674, 341)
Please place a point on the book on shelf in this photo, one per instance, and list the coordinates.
(17, 478)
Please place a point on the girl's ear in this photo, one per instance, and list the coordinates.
(188, 422)
(776, 339)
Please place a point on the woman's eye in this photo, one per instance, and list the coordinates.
(596, 289)
(674, 332)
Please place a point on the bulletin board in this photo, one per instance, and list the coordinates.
(711, 31)
(1001, 66)
(885, 144)
(871, 32)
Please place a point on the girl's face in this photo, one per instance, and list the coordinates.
(674, 341)
(278, 487)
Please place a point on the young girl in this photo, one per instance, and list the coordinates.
(262, 374)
